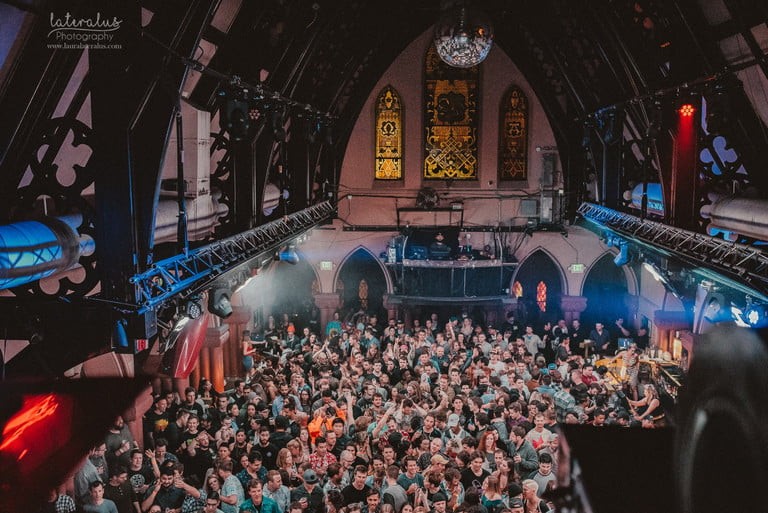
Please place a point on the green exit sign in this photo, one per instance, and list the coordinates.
(577, 268)
(326, 265)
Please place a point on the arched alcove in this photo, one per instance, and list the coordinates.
(605, 287)
(360, 265)
(540, 281)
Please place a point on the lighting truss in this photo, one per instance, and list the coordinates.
(738, 262)
(193, 270)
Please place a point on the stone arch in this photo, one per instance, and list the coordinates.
(540, 266)
(360, 263)
(605, 286)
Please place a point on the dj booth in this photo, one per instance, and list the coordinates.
(453, 278)
(432, 263)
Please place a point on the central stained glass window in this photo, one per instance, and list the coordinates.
(451, 120)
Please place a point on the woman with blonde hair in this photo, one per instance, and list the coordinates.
(297, 452)
(648, 404)
(531, 500)
(492, 498)
(284, 461)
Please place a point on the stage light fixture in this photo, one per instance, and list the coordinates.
(622, 258)
(193, 308)
(218, 302)
(234, 117)
(289, 255)
(686, 110)
(120, 342)
(756, 316)
(716, 309)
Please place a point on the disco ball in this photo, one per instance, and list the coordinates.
(463, 37)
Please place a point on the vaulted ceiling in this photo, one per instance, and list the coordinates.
(604, 71)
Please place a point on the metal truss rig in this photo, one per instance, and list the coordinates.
(736, 261)
(173, 276)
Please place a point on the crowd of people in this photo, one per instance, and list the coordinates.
(364, 417)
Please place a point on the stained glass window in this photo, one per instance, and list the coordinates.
(517, 289)
(513, 136)
(451, 119)
(541, 296)
(389, 135)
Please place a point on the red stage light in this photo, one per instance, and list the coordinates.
(686, 110)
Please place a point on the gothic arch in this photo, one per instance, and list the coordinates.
(629, 274)
(361, 263)
(605, 286)
(540, 267)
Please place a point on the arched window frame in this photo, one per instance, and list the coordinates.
(389, 130)
(514, 122)
(451, 120)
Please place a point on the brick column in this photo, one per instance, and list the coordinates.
(572, 307)
(327, 302)
(392, 307)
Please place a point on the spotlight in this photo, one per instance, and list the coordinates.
(715, 308)
(686, 110)
(234, 116)
(193, 308)
(289, 255)
(120, 342)
(718, 110)
(622, 258)
(756, 316)
(218, 302)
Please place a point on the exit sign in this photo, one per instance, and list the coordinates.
(326, 265)
(577, 268)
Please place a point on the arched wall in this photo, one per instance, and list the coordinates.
(580, 247)
(555, 261)
(491, 203)
(387, 277)
(629, 275)
(365, 201)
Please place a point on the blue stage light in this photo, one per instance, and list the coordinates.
(622, 258)
(756, 316)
